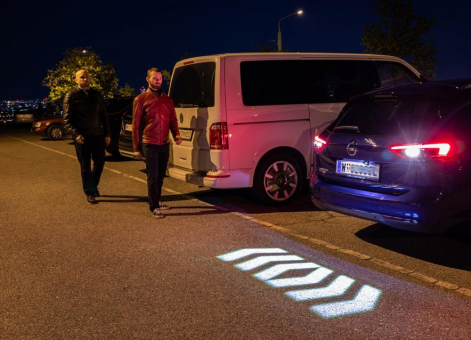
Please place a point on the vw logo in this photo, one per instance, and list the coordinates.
(352, 148)
(181, 118)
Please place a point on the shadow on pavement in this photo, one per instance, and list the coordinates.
(450, 250)
(121, 199)
(242, 200)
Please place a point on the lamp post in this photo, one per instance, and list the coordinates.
(279, 27)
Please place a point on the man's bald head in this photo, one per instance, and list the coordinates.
(82, 78)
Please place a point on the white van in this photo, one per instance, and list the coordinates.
(248, 119)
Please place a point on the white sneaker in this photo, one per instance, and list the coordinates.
(163, 206)
(157, 213)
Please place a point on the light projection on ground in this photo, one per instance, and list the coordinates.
(365, 299)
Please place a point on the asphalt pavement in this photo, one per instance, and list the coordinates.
(209, 270)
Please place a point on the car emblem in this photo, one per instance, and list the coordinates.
(352, 148)
(181, 118)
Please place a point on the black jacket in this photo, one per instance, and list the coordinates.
(85, 113)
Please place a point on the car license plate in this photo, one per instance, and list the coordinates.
(358, 169)
(128, 127)
(186, 134)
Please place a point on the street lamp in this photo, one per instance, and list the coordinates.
(279, 27)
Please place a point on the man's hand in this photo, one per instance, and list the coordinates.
(107, 141)
(178, 140)
(79, 139)
(138, 155)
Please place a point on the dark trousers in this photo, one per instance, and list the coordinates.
(92, 149)
(156, 166)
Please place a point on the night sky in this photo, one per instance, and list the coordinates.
(137, 35)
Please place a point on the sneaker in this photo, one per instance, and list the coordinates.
(163, 206)
(91, 199)
(157, 213)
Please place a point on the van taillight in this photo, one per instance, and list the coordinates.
(218, 136)
(432, 150)
(319, 144)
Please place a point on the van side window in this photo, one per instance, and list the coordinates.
(394, 74)
(336, 81)
(193, 85)
(272, 82)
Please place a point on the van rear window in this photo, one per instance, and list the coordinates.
(193, 85)
(272, 82)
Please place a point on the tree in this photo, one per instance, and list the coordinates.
(400, 33)
(127, 91)
(62, 78)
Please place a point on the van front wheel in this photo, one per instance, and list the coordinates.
(278, 180)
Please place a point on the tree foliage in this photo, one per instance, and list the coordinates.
(401, 33)
(62, 78)
(127, 91)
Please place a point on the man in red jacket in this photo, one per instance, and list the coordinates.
(154, 114)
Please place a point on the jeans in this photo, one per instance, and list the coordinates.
(93, 148)
(156, 166)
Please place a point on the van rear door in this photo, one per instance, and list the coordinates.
(332, 82)
(195, 92)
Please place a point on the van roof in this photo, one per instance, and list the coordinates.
(275, 55)
(301, 54)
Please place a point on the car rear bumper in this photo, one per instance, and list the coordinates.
(401, 212)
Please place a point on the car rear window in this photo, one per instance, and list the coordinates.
(193, 85)
(387, 115)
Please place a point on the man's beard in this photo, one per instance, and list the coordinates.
(155, 87)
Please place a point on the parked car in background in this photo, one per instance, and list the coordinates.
(53, 128)
(399, 156)
(24, 116)
(248, 120)
(125, 136)
(116, 108)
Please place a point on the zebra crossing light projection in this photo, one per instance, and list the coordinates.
(365, 299)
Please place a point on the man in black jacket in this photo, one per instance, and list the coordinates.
(85, 117)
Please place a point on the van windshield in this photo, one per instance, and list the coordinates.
(193, 85)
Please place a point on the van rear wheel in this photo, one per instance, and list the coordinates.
(278, 180)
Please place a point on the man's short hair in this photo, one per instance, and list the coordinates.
(153, 69)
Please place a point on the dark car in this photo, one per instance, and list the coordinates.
(125, 136)
(399, 156)
(24, 116)
(53, 128)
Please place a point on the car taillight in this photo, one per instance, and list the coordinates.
(218, 136)
(417, 151)
(319, 144)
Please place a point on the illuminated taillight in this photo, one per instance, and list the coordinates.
(218, 136)
(433, 150)
(319, 144)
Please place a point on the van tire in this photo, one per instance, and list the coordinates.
(278, 180)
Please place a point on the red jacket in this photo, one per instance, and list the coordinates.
(154, 116)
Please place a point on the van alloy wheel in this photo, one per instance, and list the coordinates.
(278, 180)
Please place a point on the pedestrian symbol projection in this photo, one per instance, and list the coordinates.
(320, 283)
